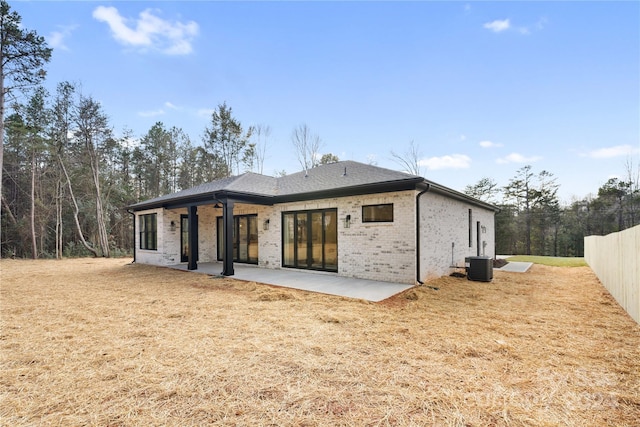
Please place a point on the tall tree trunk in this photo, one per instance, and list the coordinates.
(10, 214)
(59, 247)
(76, 210)
(2, 97)
(527, 219)
(103, 238)
(34, 245)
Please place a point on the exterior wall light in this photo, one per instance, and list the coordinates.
(172, 225)
(265, 224)
(347, 221)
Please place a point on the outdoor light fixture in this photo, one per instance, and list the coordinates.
(217, 206)
(265, 225)
(173, 226)
(347, 221)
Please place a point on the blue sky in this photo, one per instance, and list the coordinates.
(482, 88)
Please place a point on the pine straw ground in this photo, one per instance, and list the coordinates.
(99, 342)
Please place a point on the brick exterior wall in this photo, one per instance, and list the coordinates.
(379, 251)
(444, 234)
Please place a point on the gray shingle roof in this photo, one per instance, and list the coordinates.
(334, 179)
(338, 175)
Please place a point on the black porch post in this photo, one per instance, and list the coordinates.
(227, 253)
(193, 238)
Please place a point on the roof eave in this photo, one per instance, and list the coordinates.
(354, 190)
(445, 191)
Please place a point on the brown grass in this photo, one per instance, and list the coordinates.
(98, 342)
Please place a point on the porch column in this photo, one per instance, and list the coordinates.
(227, 240)
(193, 237)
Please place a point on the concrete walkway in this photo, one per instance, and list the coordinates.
(514, 266)
(321, 282)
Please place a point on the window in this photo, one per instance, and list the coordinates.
(377, 213)
(149, 232)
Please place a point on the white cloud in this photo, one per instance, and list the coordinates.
(453, 161)
(149, 31)
(609, 152)
(498, 25)
(56, 39)
(153, 113)
(489, 144)
(170, 105)
(517, 158)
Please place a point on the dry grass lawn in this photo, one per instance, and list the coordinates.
(99, 342)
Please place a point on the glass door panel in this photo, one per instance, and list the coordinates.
(253, 239)
(184, 238)
(317, 246)
(331, 240)
(288, 240)
(301, 240)
(220, 237)
(243, 238)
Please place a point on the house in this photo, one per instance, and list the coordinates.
(347, 218)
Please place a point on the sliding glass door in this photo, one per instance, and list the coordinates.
(310, 239)
(245, 238)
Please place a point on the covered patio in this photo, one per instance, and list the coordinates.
(313, 281)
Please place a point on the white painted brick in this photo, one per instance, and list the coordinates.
(379, 251)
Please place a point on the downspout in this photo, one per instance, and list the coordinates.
(418, 233)
(134, 235)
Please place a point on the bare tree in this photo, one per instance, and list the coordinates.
(261, 134)
(409, 160)
(307, 146)
(633, 178)
(93, 132)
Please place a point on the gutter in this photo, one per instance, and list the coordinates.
(428, 187)
(134, 235)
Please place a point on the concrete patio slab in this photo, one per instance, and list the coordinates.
(516, 267)
(321, 282)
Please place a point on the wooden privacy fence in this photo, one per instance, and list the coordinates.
(615, 258)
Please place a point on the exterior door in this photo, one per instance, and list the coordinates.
(184, 238)
(245, 238)
(310, 239)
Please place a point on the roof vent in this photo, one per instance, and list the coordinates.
(345, 171)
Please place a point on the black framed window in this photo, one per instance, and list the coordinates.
(378, 213)
(149, 231)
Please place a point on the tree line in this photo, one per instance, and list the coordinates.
(531, 220)
(67, 177)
